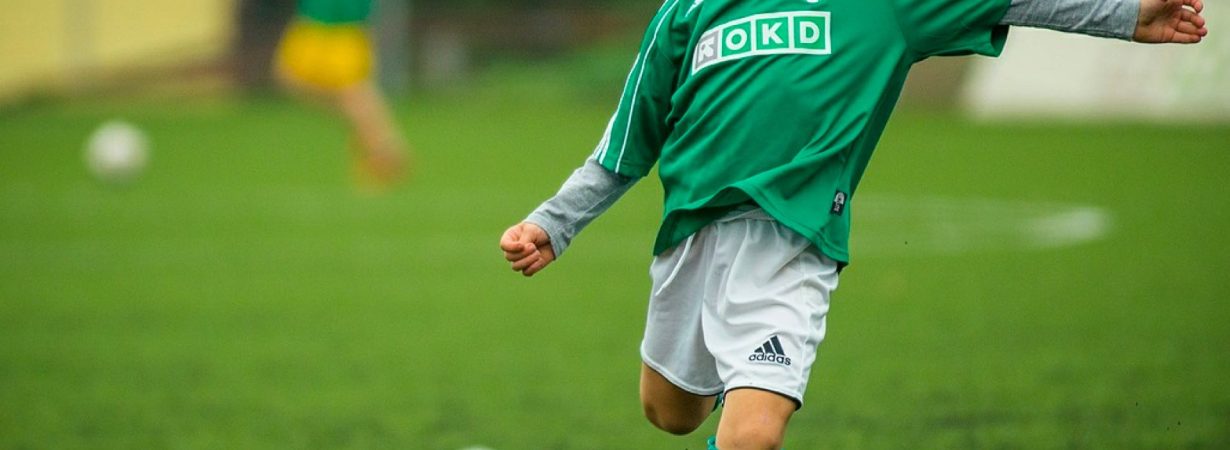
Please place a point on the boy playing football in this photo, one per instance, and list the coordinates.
(761, 117)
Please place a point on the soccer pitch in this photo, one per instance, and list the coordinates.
(1014, 286)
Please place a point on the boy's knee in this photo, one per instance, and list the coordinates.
(671, 421)
(670, 408)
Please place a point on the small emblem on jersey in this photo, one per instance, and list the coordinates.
(788, 33)
(839, 203)
(770, 353)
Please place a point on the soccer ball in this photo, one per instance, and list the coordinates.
(117, 152)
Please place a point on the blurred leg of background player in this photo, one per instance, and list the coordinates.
(326, 53)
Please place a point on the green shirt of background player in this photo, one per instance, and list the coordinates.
(774, 105)
(336, 11)
(327, 52)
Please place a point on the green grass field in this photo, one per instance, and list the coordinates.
(242, 295)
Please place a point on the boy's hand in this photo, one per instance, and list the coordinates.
(1170, 21)
(527, 247)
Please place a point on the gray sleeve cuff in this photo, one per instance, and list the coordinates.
(1102, 18)
(588, 193)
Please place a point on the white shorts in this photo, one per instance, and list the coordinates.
(740, 304)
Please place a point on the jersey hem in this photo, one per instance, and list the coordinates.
(833, 251)
(666, 239)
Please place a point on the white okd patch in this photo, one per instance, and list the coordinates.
(788, 33)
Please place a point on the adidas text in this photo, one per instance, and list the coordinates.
(761, 357)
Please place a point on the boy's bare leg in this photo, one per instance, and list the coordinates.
(753, 419)
(669, 408)
(381, 148)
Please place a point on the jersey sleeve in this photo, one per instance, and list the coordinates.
(636, 133)
(953, 27)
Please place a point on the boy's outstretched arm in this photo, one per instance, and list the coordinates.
(534, 243)
(1170, 21)
(1149, 21)
(627, 151)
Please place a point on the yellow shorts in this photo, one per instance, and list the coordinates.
(329, 57)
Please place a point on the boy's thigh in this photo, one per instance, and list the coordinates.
(753, 418)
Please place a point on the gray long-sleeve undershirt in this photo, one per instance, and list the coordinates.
(592, 189)
(1102, 18)
(588, 193)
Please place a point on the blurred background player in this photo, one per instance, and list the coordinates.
(327, 53)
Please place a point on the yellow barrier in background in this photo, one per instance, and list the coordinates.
(48, 44)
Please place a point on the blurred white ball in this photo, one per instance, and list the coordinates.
(117, 152)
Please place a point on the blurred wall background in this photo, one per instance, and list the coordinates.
(56, 45)
(1043, 74)
(69, 47)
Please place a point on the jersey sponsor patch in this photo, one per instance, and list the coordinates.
(788, 33)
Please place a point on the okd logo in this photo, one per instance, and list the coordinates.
(790, 33)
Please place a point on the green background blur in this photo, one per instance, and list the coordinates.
(243, 294)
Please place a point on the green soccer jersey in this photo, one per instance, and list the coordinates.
(335, 11)
(777, 102)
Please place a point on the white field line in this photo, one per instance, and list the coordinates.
(927, 225)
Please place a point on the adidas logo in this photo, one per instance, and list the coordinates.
(770, 352)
